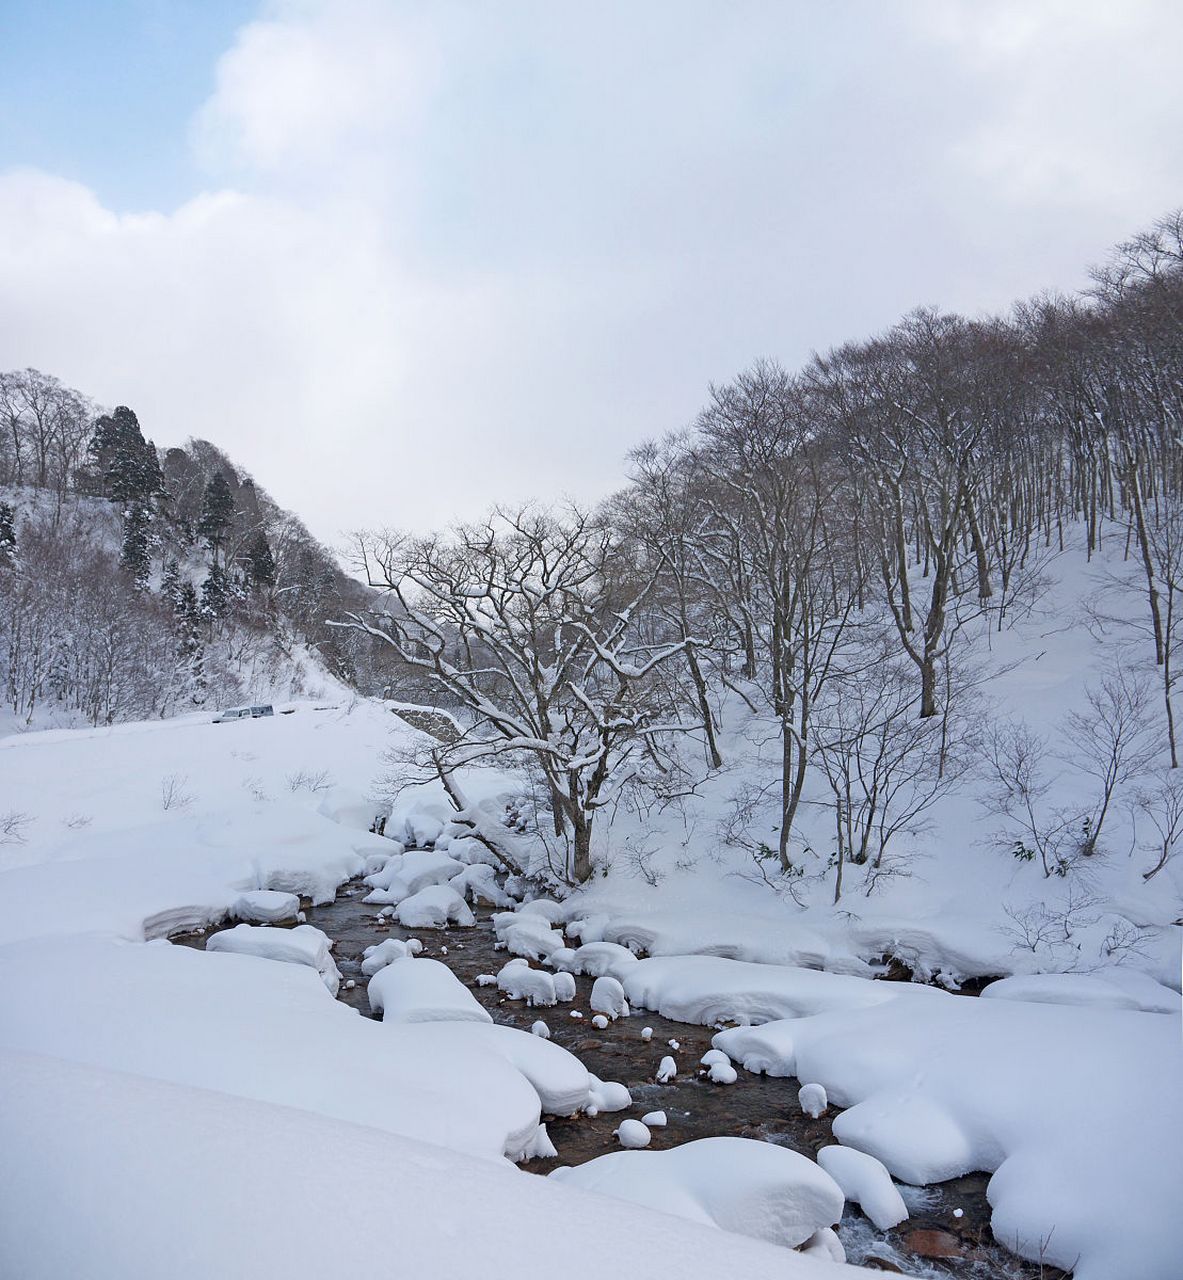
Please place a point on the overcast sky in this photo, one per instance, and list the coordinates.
(402, 260)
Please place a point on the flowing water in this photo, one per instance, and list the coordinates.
(948, 1232)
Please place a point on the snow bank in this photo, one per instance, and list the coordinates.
(409, 989)
(181, 874)
(1113, 989)
(600, 959)
(478, 883)
(937, 1088)
(706, 989)
(751, 1188)
(301, 945)
(227, 1183)
(348, 808)
(434, 908)
(237, 1024)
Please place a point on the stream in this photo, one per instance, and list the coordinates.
(935, 1242)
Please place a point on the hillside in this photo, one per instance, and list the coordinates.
(136, 582)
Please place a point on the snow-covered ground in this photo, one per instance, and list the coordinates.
(205, 1106)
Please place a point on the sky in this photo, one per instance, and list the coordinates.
(405, 260)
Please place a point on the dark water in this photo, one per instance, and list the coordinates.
(754, 1107)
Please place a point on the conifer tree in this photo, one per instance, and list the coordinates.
(260, 563)
(215, 594)
(217, 513)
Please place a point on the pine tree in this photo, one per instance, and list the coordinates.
(217, 513)
(171, 584)
(260, 563)
(7, 535)
(134, 556)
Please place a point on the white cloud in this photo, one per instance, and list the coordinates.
(462, 253)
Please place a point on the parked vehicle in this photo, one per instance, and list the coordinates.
(243, 713)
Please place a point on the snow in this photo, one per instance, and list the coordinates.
(301, 945)
(600, 1022)
(534, 986)
(349, 809)
(608, 1095)
(607, 997)
(667, 1069)
(564, 985)
(74, 1175)
(411, 989)
(706, 989)
(598, 959)
(550, 910)
(381, 954)
(247, 1026)
(865, 1182)
(936, 1088)
(812, 1099)
(179, 874)
(736, 1184)
(654, 1119)
(478, 884)
(265, 906)
(406, 874)
(528, 935)
(434, 908)
(1115, 989)
(722, 1073)
(540, 1028)
(632, 1134)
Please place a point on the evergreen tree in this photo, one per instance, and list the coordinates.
(260, 563)
(7, 535)
(171, 584)
(217, 513)
(129, 471)
(215, 594)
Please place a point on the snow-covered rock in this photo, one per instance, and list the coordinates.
(381, 954)
(434, 908)
(632, 1134)
(655, 1119)
(722, 1073)
(526, 935)
(520, 982)
(550, 910)
(409, 873)
(301, 945)
(812, 1099)
(737, 1184)
(667, 1069)
(265, 906)
(564, 987)
(540, 1028)
(1113, 989)
(478, 883)
(348, 808)
(420, 990)
(608, 1095)
(865, 1182)
(607, 997)
(598, 959)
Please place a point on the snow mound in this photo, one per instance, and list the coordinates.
(865, 1182)
(600, 959)
(434, 908)
(478, 883)
(414, 990)
(381, 954)
(265, 906)
(667, 1069)
(813, 1100)
(564, 987)
(528, 935)
(736, 1184)
(632, 1134)
(607, 997)
(534, 986)
(407, 874)
(301, 945)
(550, 910)
(608, 1095)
